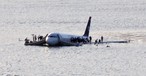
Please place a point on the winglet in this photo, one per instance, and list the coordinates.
(86, 33)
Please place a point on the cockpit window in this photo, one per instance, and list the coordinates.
(52, 36)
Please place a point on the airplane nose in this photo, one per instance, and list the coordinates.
(49, 41)
(52, 41)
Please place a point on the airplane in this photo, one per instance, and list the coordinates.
(59, 39)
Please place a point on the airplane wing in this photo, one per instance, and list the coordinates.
(37, 43)
(113, 42)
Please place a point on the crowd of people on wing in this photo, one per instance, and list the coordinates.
(87, 40)
(99, 41)
(35, 38)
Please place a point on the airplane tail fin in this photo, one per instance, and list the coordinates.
(86, 33)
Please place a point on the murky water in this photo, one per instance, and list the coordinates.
(113, 19)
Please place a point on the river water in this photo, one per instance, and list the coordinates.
(112, 19)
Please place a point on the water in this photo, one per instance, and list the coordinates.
(113, 19)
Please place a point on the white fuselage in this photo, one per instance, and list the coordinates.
(57, 39)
